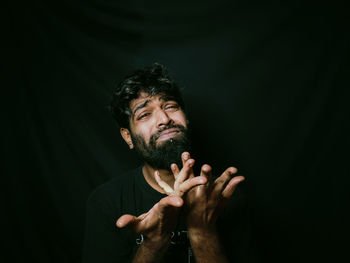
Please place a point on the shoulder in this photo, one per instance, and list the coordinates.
(113, 189)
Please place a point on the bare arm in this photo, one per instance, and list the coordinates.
(206, 247)
(157, 224)
(203, 204)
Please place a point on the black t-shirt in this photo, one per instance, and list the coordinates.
(131, 194)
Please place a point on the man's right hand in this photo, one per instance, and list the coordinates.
(157, 224)
(160, 221)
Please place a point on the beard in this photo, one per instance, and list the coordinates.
(167, 152)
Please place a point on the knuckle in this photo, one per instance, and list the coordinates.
(190, 162)
(226, 176)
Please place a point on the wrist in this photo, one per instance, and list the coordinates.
(157, 242)
(151, 250)
(206, 246)
(202, 234)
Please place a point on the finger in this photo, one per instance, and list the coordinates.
(184, 157)
(175, 169)
(220, 199)
(190, 183)
(225, 177)
(125, 220)
(206, 172)
(168, 190)
(169, 202)
(231, 186)
(220, 183)
(186, 171)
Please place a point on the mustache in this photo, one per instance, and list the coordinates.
(155, 136)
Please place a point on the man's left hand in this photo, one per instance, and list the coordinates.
(204, 203)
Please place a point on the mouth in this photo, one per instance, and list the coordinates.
(168, 133)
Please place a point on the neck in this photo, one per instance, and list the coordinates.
(165, 175)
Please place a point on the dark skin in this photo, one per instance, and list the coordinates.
(202, 204)
(202, 201)
(157, 224)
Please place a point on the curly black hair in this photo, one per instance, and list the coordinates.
(153, 80)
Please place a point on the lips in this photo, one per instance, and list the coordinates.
(168, 133)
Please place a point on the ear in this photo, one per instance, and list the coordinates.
(127, 137)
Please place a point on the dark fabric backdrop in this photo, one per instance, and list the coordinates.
(267, 89)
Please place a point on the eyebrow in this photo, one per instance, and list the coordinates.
(140, 106)
(144, 104)
(167, 98)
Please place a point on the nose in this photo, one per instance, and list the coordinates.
(163, 118)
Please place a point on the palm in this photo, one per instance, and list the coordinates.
(160, 219)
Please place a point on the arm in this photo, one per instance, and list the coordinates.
(206, 247)
(157, 224)
(203, 204)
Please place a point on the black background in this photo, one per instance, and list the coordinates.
(266, 87)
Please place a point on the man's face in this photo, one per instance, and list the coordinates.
(158, 130)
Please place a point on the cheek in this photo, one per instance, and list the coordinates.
(145, 131)
(180, 119)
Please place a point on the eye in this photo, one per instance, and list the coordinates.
(143, 116)
(172, 107)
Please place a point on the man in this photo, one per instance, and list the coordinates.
(162, 211)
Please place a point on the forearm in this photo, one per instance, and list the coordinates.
(206, 247)
(151, 251)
